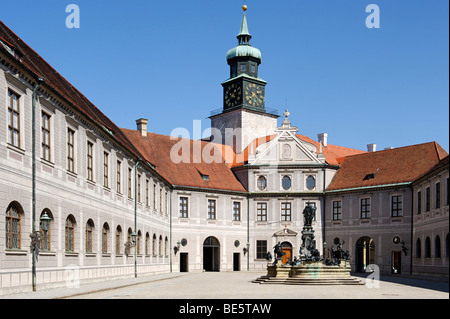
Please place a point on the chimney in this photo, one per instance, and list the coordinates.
(323, 138)
(371, 148)
(142, 126)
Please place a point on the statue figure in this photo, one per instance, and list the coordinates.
(268, 256)
(308, 214)
(278, 251)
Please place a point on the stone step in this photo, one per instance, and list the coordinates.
(309, 281)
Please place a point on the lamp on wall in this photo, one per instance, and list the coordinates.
(45, 222)
(177, 247)
(245, 250)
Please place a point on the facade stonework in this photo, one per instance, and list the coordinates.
(103, 187)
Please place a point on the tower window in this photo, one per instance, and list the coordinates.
(243, 67)
(310, 183)
(253, 68)
(286, 182)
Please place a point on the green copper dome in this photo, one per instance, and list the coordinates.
(244, 49)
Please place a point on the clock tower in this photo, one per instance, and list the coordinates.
(244, 116)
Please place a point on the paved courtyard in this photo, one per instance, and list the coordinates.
(238, 285)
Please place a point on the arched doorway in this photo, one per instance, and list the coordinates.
(365, 253)
(286, 247)
(211, 254)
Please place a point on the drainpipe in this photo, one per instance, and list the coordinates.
(33, 134)
(412, 230)
(170, 230)
(324, 208)
(135, 215)
(248, 233)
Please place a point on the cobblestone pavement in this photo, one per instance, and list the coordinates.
(238, 285)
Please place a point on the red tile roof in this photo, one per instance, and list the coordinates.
(37, 65)
(157, 149)
(400, 165)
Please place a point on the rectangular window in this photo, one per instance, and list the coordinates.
(90, 161)
(147, 190)
(166, 206)
(211, 209)
(337, 210)
(261, 249)
(286, 212)
(261, 214)
(365, 208)
(130, 174)
(70, 150)
(119, 177)
(243, 67)
(448, 191)
(139, 188)
(184, 207)
(397, 206)
(45, 136)
(438, 195)
(13, 119)
(419, 202)
(236, 211)
(105, 169)
(154, 196)
(427, 200)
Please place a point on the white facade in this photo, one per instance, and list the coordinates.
(70, 195)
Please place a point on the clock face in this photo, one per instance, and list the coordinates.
(233, 95)
(254, 94)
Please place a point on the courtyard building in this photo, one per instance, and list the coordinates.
(121, 202)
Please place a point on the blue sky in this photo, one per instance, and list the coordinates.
(165, 61)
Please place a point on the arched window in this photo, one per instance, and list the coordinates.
(139, 237)
(147, 243)
(437, 247)
(427, 248)
(160, 245)
(130, 232)
(118, 239)
(262, 183)
(46, 235)
(310, 182)
(13, 226)
(70, 233)
(89, 235)
(166, 247)
(286, 183)
(418, 248)
(447, 246)
(154, 245)
(105, 234)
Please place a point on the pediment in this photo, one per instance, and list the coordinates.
(285, 148)
(285, 232)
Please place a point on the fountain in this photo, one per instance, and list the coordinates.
(310, 268)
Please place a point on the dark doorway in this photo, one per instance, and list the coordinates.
(365, 253)
(184, 263)
(236, 261)
(396, 262)
(211, 254)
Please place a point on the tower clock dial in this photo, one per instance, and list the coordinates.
(254, 94)
(233, 95)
